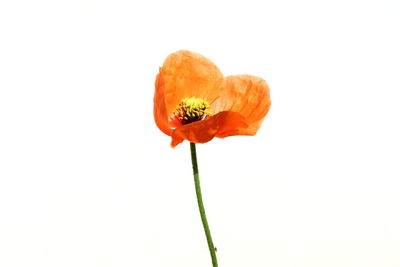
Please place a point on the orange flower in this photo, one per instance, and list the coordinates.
(193, 101)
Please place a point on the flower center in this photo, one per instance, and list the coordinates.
(192, 109)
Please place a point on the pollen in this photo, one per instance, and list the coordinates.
(192, 109)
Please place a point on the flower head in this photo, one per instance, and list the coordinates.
(193, 101)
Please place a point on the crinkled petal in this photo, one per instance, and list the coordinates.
(159, 109)
(205, 130)
(187, 74)
(249, 96)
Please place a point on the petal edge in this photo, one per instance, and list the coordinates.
(204, 131)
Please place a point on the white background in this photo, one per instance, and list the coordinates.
(87, 179)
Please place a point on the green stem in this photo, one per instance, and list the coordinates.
(201, 206)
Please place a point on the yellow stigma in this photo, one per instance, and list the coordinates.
(192, 109)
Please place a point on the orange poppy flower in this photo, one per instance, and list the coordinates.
(193, 101)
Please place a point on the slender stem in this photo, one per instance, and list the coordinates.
(201, 206)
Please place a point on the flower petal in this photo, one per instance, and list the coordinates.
(187, 74)
(249, 96)
(159, 109)
(205, 130)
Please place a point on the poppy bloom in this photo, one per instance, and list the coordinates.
(193, 101)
